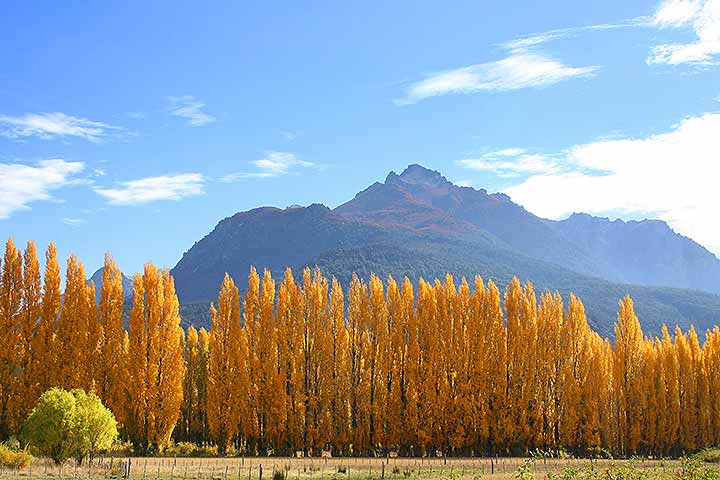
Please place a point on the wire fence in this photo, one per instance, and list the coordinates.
(268, 468)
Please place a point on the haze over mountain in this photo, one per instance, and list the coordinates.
(421, 225)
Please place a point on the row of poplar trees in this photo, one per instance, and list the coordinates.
(301, 364)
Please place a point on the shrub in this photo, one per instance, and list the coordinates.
(12, 459)
(711, 455)
(279, 475)
(121, 449)
(206, 451)
(70, 424)
(526, 470)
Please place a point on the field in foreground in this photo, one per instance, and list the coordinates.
(373, 468)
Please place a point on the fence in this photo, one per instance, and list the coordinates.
(263, 468)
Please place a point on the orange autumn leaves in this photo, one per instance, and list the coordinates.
(304, 364)
(71, 341)
(463, 370)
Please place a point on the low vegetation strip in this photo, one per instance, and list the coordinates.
(284, 468)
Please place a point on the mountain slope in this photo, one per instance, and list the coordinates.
(463, 211)
(265, 237)
(434, 258)
(316, 236)
(127, 283)
(417, 224)
(648, 252)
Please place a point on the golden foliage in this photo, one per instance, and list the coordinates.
(302, 365)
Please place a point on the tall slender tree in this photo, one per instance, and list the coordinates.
(155, 363)
(111, 365)
(226, 367)
(11, 303)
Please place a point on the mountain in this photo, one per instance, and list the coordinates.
(418, 224)
(647, 252)
(127, 283)
(267, 237)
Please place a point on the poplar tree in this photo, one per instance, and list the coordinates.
(25, 395)
(44, 362)
(111, 376)
(11, 303)
(155, 360)
(72, 339)
(225, 367)
(627, 374)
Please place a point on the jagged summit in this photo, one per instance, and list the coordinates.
(417, 174)
(418, 224)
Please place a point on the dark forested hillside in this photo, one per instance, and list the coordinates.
(417, 224)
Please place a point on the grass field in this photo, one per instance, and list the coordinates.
(370, 468)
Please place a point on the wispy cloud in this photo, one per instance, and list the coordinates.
(511, 162)
(273, 164)
(637, 176)
(703, 17)
(21, 184)
(150, 189)
(522, 68)
(49, 126)
(73, 222)
(288, 135)
(189, 108)
(535, 39)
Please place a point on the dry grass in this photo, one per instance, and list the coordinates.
(343, 469)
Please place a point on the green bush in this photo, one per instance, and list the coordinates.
(70, 424)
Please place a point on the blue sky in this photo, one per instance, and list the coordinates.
(135, 127)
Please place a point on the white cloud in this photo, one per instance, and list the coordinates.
(21, 184)
(510, 152)
(703, 17)
(521, 69)
(559, 33)
(671, 176)
(190, 108)
(273, 164)
(511, 162)
(150, 189)
(73, 222)
(49, 126)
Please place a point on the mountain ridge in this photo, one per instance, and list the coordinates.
(418, 224)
